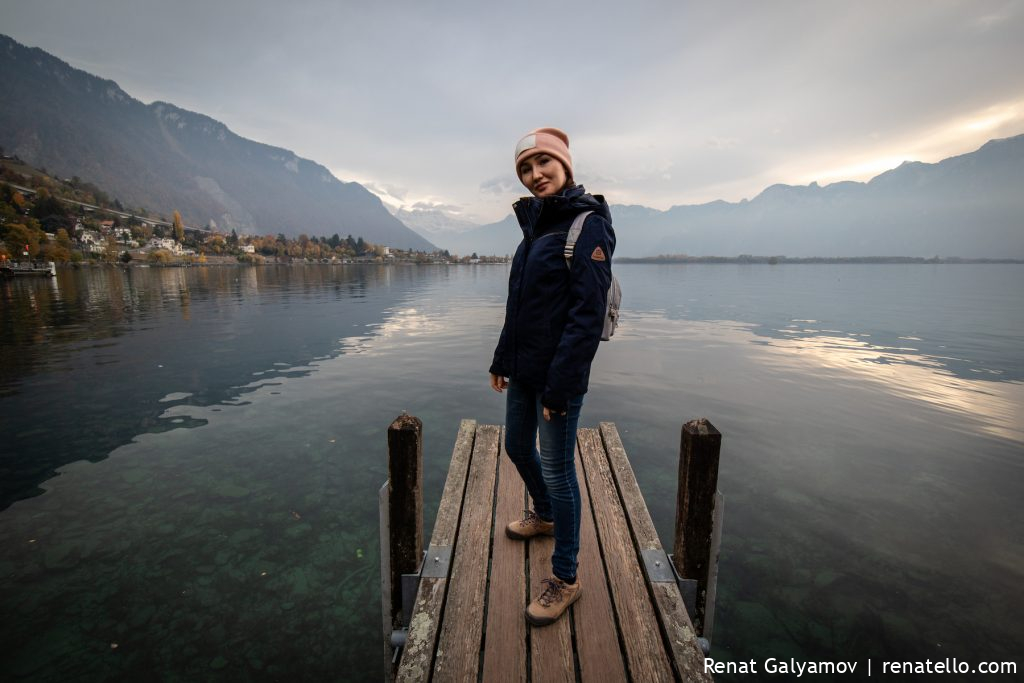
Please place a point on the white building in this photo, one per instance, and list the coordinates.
(92, 242)
(164, 243)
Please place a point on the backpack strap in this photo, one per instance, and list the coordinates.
(574, 234)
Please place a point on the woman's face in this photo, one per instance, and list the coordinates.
(542, 174)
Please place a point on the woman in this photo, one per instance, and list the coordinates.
(553, 322)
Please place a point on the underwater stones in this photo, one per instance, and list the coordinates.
(299, 580)
(218, 663)
(141, 615)
(825, 578)
(208, 598)
(243, 536)
(298, 530)
(230, 490)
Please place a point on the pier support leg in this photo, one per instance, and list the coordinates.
(695, 553)
(403, 542)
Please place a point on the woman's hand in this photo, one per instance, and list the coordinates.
(548, 413)
(498, 383)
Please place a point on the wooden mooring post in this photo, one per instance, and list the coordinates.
(457, 613)
(401, 526)
(698, 530)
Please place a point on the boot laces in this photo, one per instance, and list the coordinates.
(552, 591)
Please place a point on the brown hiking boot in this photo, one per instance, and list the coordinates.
(553, 601)
(529, 526)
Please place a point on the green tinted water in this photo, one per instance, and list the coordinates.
(191, 458)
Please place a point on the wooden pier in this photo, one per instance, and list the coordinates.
(463, 617)
(18, 269)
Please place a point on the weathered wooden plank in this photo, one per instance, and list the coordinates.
(676, 627)
(645, 655)
(597, 638)
(418, 655)
(458, 647)
(505, 634)
(551, 659)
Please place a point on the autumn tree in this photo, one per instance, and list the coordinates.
(179, 229)
(159, 256)
(54, 251)
(111, 249)
(19, 237)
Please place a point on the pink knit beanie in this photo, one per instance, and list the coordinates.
(545, 141)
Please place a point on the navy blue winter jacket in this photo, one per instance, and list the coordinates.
(555, 315)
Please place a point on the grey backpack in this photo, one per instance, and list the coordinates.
(611, 315)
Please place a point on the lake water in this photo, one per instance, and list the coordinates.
(191, 457)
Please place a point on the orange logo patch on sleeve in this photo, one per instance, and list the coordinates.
(597, 254)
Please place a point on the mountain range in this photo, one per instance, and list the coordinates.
(165, 158)
(969, 206)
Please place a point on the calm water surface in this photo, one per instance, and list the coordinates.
(190, 457)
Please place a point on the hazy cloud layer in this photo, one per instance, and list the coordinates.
(666, 102)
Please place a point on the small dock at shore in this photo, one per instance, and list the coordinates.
(16, 269)
(454, 610)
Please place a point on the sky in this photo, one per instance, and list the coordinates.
(665, 103)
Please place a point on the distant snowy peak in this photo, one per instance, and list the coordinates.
(432, 221)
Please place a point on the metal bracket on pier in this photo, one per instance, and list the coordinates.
(434, 565)
(688, 589)
(660, 569)
(436, 562)
(657, 566)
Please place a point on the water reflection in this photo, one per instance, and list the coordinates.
(87, 357)
(864, 518)
(903, 371)
(873, 491)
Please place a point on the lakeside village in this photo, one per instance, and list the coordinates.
(44, 219)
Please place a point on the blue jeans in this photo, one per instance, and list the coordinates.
(550, 476)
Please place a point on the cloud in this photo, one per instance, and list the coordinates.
(691, 102)
(436, 206)
(722, 143)
(991, 20)
(595, 180)
(385, 189)
(499, 185)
